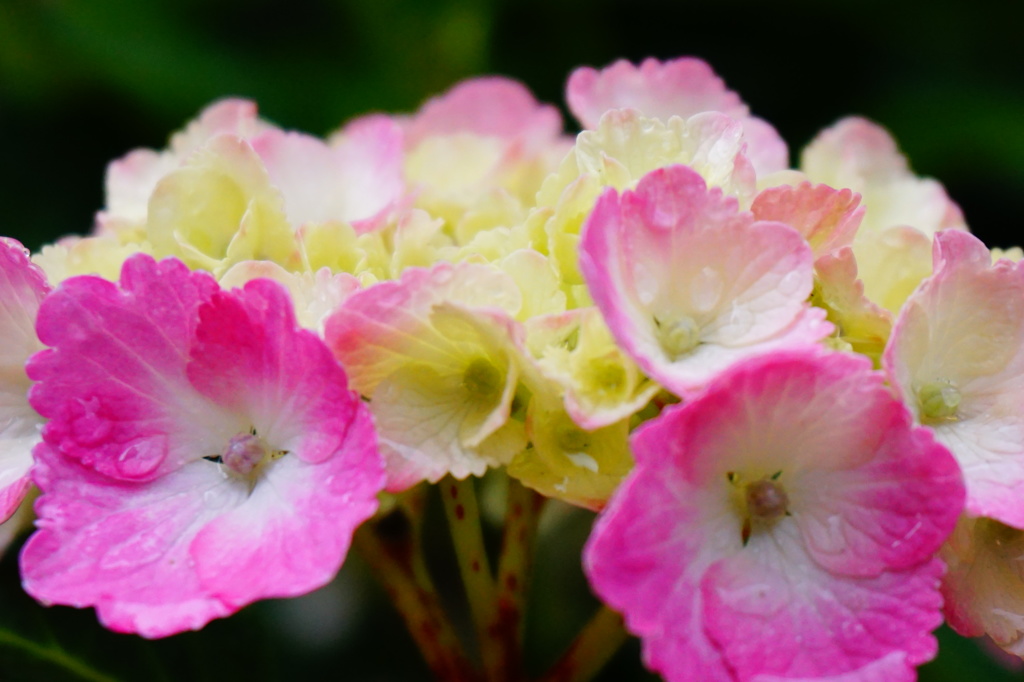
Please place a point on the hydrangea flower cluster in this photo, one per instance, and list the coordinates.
(792, 394)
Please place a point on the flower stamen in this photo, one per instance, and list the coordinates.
(677, 337)
(245, 454)
(482, 379)
(764, 501)
(938, 402)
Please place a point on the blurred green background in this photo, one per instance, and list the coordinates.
(82, 82)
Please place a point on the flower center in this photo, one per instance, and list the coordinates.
(938, 402)
(606, 377)
(571, 439)
(760, 503)
(766, 500)
(1005, 541)
(481, 378)
(245, 454)
(677, 337)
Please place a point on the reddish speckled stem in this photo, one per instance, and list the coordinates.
(515, 563)
(391, 546)
(460, 505)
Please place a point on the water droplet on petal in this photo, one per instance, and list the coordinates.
(706, 290)
(140, 459)
(792, 282)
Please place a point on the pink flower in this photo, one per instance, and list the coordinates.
(827, 218)
(956, 357)
(689, 285)
(491, 107)
(679, 87)
(358, 178)
(203, 452)
(130, 180)
(478, 153)
(983, 589)
(862, 156)
(438, 354)
(781, 526)
(22, 287)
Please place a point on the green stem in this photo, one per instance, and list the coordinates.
(53, 656)
(515, 564)
(391, 547)
(463, 513)
(592, 649)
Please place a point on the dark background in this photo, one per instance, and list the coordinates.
(81, 83)
(84, 81)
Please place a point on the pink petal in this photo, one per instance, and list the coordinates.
(22, 288)
(231, 116)
(680, 87)
(625, 562)
(355, 180)
(827, 218)
(111, 405)
(493, 106)
(891, 668)
(766, 149)
(819, 627)
(250, 356)
(862, 156)
(121, 546)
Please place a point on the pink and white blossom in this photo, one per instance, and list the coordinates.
(781, 526)
(902, 211)
(956, 357)
(477, 154)
(202, 451)
(678, 87)
(626, 145)
(983, 589)
(578, 361)
(22, 288)
(689, 285)
(438, 354)
(219, 208)
(131, 179)
(492, 107)
(827, 218)
(314, 295)
(862, 156)
(357, 179)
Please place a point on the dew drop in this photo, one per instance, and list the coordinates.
(706, 289)
(791, 283)
(140, 459)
